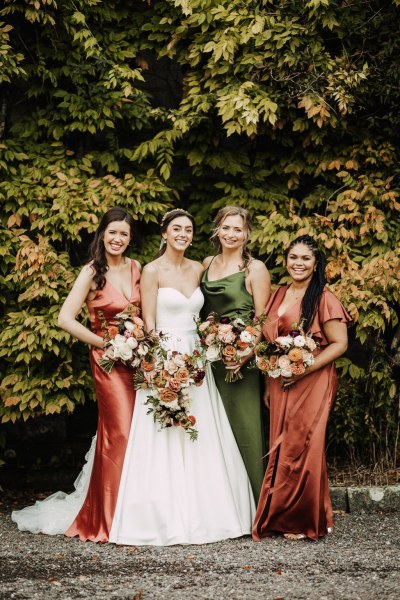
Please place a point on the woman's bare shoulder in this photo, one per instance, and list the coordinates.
(197, 266)
(257, 268)
(137, 263)
(87, 272)
(207, 261)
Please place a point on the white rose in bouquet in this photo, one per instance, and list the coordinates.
(284, 362)
(178, 360)
(170, 366)
(239, 322)
(246, 337)
(170, 405)
(287, 372)
(123, 351)
(274, 373)
(212, 353)
(308, 358)
(284, 341)
(143, 349)
(129, 326)
(132, 343)
(299, 341)
(311, 345)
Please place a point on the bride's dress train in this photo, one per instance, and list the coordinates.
(54, 514)
(174, 490)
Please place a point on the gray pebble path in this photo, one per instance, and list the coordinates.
(359, 561)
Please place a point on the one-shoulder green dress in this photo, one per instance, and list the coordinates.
(228, 297)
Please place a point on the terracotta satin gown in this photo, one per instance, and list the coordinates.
(115, 398)
(295, 494)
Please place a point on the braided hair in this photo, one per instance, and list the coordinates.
(97, 251)
(167, 219)
(310, 301)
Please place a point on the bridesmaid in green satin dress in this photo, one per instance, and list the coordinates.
(236, 285)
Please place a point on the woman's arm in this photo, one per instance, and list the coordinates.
(336, 334)
(267, 393)
(148, 295)
(73, 306)
(259, 282)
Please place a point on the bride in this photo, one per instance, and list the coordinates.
(174, 490)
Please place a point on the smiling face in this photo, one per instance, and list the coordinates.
(300, 263)
(117, 236)
(232, 232)
(179, 233)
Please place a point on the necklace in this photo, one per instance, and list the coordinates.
(296, 295)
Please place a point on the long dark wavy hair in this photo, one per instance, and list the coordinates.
(233, 211)
(310, 301)
(167, 219)
(97, 251)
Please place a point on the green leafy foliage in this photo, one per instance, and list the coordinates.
(288, 108)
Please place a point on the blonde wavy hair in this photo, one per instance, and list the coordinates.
(233, 211)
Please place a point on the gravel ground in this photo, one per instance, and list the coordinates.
(360, 560)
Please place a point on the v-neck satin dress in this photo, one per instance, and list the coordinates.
(295, 494)
(228, 297)
(116, 399)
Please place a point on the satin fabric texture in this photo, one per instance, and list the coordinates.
(295, 494)
(228, 297)
(115, 396)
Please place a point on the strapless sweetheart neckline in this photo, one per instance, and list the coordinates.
(179, 292)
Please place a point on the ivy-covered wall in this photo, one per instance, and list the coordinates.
(289, 108)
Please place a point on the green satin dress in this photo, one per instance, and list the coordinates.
(228, 297)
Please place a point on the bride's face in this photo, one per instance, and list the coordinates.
(179, 233)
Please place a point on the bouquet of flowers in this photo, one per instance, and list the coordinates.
(168, 376)
(125, 340)
(228, 340)
(288, 355)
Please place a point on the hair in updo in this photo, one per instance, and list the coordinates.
(233, 211)
(167, 219)
(97, 251)
(311, 298)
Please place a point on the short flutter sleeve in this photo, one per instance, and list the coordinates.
(330, 308)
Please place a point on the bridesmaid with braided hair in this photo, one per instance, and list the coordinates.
(294, 499)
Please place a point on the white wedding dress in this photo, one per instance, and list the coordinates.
(54, 514)
(174, 490)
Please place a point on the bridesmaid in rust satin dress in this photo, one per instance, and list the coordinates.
(108, 284)
(111, 283)
(115, 399)
(295, 498)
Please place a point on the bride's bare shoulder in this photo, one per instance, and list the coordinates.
(150, 272)
(197, 266)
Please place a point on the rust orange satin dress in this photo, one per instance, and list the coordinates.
(295, 495)
(115, 398)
